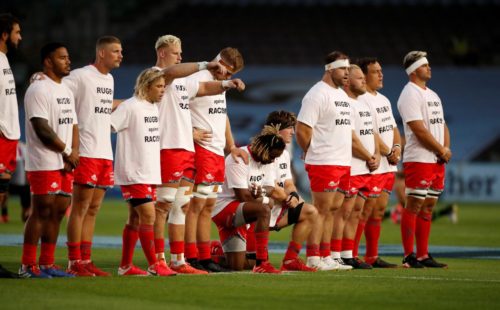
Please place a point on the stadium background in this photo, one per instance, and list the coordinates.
(284, 42)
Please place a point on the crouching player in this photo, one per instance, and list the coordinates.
(293, 211)
(245, 198)
(137, 169)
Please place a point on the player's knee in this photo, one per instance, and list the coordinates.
(93, 209)
(416, 193)
(203, 190)
(177, 215)
(166, 194)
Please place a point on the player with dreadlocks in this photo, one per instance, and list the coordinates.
(246, 197)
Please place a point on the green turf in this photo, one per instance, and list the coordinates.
(478, 225)
(468, 283)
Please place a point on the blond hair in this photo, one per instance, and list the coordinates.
(145, 80)
(167, 40)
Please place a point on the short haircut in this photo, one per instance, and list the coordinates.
(364, 62)
(413, 56)
(281, 119)
(267, 141)
(49, 48)
(167, 40)
(105, 40)
(145, 79)
(7, 22)
(334, 56)
(233, 56)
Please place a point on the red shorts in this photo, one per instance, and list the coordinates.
(386, 181)
(366, 185)
(225, 223)
(54, 182)
(138, 191)
(95, 172)
(209, 166)
(8, 155)
(328, 178)
(424, 175)
(176, 164)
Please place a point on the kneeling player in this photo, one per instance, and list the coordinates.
(241, 201)
(294, 211)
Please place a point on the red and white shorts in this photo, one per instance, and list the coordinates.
(233, 238)
(385, 181)
(139, 191)
(365, 185)
(422, 179)
(53, 182)
(209, 166)
(176, 164)
(8, 152)
(329, 178)
(95, 172)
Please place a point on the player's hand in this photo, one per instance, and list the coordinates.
(394, 156)
(73, 159)
(67, 167)
(256, 190)
(445, 155)
(37, 76)
(236, 153)
(236, 84)
(216, 67)
(292, 201)
(374, 162)
(201, 136)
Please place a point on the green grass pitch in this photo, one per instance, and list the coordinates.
(467, 283)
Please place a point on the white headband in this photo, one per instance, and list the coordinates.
(339, 63)
(414, 66)
(217, 58)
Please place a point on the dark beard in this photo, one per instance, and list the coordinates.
(10, 46)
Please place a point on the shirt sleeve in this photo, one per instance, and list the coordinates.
(192, 85)
(236, 174)
(409, 106)
(37, 103)
(120, 118)
(309, 110)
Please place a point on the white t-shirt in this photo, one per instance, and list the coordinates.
(283, 169)
(176, 130)
(209, 113)
(384, 120)
(9, 115)
(326, 110)
(93, 93)
(138, 146)
(54, 102)
(240, 175)
(364, 128)
(283, 173)
(414, 104)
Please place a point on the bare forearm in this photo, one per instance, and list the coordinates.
(229, 137)
(303, 136)
(358, 150)
(47, 136)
